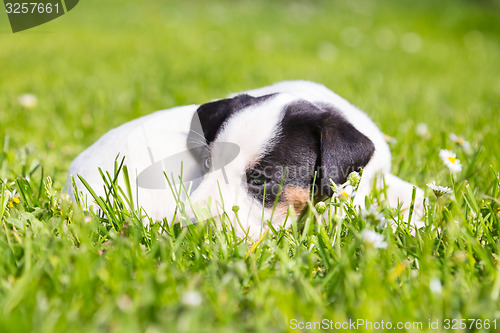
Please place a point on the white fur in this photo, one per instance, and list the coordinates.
(162, 134)
(142, 141)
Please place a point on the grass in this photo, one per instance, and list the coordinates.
(64, 269)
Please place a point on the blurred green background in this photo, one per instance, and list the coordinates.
(107, 62)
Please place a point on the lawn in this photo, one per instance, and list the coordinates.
(426, 72)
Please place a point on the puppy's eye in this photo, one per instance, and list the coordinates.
(258, 180)
(206, 164)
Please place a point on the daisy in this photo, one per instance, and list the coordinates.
(423, 130)
(389, 139)
(467, 147)
(344, 192)
(28, 101)
(372, 215)
(191, 298)
(450, 160)
(435, 286)
(439, 190)
(373, 238)
(14, 198)
(462, 142)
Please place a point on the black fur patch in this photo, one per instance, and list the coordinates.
(311, 139)
(344, 149)
(213, 115)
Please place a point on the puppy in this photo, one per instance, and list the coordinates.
(258, 154)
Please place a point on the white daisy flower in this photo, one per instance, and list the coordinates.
(462, 142)
(191, 298)
(28, 101)
(373, 238)
(124, 302)
(423, 130)
(467, 147)
(371, 214)
(14, 198)
(450, 160)
(12, 194)
(435, 286)
(344, 192)
(439, 190)
(390, 140)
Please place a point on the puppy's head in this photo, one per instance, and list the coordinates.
(261, 152)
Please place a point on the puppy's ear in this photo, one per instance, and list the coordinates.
(343, 149)
(212, 116)
(208, 120)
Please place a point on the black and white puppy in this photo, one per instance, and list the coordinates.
(266, 151)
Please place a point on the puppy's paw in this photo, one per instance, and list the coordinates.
(399, 192)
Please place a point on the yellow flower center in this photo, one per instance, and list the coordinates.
(16, 199)
(452, 159)
(345, 194)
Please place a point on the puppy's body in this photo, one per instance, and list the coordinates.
(145, 143)
(258, 150)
